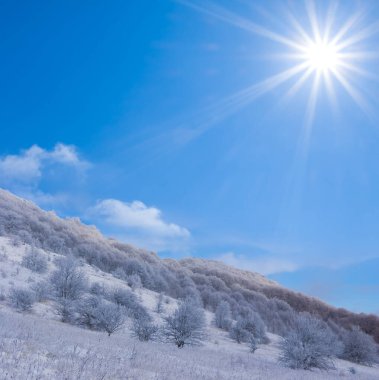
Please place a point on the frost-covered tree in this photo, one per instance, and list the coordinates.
(85, 311)
(109, 317)
(144, 329)
(223, 316)
(186, 325)
(66, 310)
(311, 344)
(21, 299)
(248, 327)
(127, 299)
(68, 281)
(119, 273)
(159, 306)
(98, 289)
(238, 331)
(253, 344)
(96, 313)
(255, 326)
(42, 290)
(359, 347)
(35, 261)
(134, 281)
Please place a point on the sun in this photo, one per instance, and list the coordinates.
(322, 56)
(321, 48)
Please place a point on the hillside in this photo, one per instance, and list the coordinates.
(35, 337)
(210, 280)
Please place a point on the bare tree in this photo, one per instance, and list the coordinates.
(186, 325)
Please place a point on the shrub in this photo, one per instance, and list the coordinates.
(35, 261)
(21, 299)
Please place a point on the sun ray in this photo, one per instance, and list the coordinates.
(346, 28)
(299, 29)
(223, 14)
(311, 107)
(330, 17)
(299, 83)
(222, 109)
(353, 92)
(357, 70)
(358, 55)
(328, 79)
(312, 15)
(358, 37)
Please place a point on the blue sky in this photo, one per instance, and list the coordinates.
(156, 121)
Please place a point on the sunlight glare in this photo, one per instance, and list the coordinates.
(322, 56)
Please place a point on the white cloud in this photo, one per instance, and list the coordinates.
(262, 265)
(66, 154)
(139, 224)
(27, 166)
(23, 172)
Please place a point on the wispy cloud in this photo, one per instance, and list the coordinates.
(139, 224)
(263, 265)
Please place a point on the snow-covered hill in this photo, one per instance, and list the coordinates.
(36, 345)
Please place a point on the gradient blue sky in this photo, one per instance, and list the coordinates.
(124, 113)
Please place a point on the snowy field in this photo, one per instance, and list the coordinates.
(34, 348)
(36, 345)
